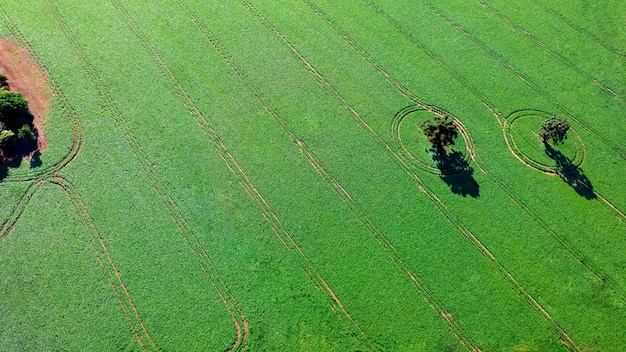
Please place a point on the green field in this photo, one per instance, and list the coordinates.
(249, 175)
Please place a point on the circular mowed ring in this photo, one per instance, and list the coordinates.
(520, 134)
(406, 132)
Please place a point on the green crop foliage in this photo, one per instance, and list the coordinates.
(252, 176)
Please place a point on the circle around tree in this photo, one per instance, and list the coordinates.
(522, 137)
(416, 148)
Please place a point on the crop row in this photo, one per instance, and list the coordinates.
(268, 212)
(502, 120)
(178, 218)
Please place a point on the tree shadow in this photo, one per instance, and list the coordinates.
(570, 173)
(35, 160)
(13, 157)
(4, 171)
(6, 164)
(456, 172)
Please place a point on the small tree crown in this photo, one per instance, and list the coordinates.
(554, 129)
(441, 132)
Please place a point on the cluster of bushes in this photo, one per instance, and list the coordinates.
(16, 123)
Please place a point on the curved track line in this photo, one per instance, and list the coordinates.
(504, 63)
(69, 112)
(236, 169)
(205, 262)
(576, 254)
(439, 204)
(45, 174)
(139, 330)
(396, 131)
(620, 54)
(546, 48)
(18, 209)
(434, 302)
(499, 116)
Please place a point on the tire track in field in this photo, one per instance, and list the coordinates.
(49, 175)
(66, 107)
(204, 260)
(434, 302)
(74, 198)
(108, 265)
(546, 48)
(438, 203)
(605, 202)
(504, 63)
(8, 225)
(235, 168)
(565, 245)
(619, 53)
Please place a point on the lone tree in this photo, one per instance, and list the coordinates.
(554, 129)
(441, 132)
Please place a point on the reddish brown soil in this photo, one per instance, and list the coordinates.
(25, 76)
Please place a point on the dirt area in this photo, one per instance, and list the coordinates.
(25, 76)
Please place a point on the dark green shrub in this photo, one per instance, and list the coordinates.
(7, 139)
(17, 139)
(12, 104)
(25, 133)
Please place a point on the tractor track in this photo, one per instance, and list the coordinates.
(69, 112)
(49, 175)
(236, 169)
(433, 301)
(612, 207)
(204, 260)
(618, 53)
(332, 182)
(575, 253)
(108, 265)
(8, 225)
(438, 203)
(504, 63)
(546, 48)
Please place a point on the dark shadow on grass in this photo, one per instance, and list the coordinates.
(570, 173)
(12, 158)
(456, 172)
(4, 171)
(6, 164)
(35, 160)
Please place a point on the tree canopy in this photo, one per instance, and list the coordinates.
(554, 129)
(441, 132)
(16, 123)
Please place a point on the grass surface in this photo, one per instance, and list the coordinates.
(227, 176)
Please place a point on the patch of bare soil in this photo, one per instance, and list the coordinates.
(25, 76)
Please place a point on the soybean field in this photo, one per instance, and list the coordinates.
(252, 175)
